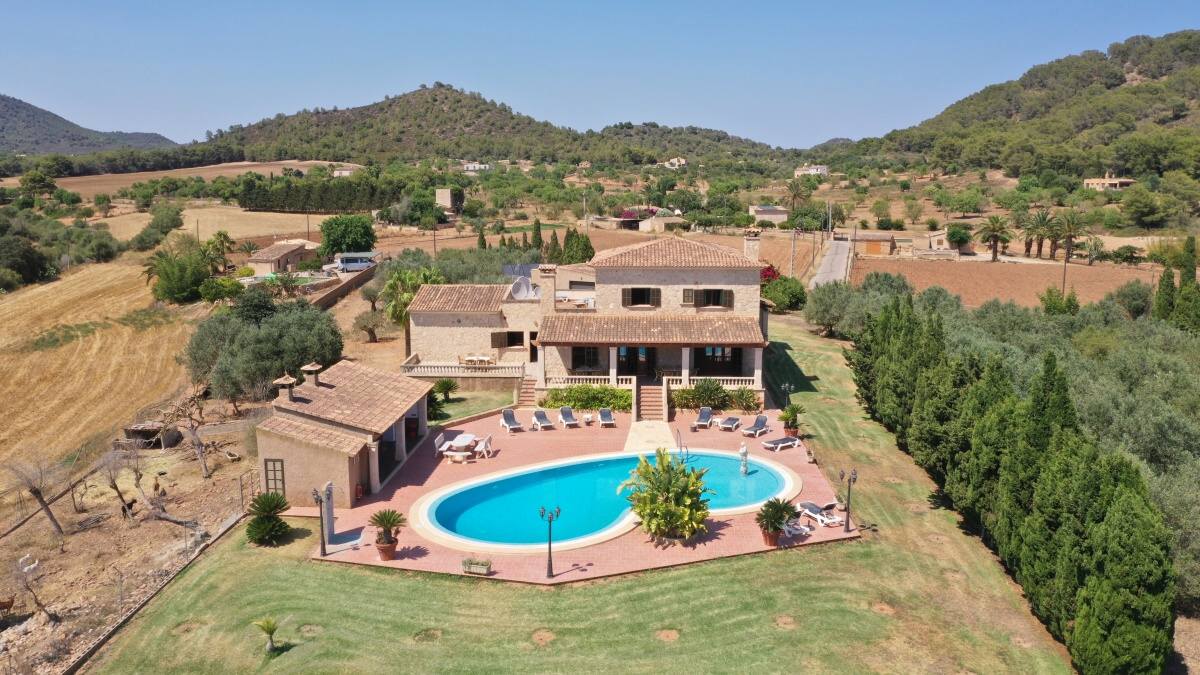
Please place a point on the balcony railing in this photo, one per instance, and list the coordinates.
(677, 382)
(462, 370)
(568, 380)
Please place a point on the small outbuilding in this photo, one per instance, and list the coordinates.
(279, 257)
(349, 425)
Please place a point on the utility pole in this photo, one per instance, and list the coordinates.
(792, 259)
(307, 228)
(197, 229)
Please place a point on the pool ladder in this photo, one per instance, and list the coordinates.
(684, 454)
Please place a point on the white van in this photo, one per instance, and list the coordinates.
(352, 262)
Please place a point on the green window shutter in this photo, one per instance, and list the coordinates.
(656, 297)
(626, 297)
(689, 297)
(499, 340)
(727, 298)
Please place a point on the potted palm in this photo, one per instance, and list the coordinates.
(772, 517)
(389, 522)
(790, 418)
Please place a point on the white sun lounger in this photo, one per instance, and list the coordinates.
(758, 428)
(540, 421)
(781, 443)
(567, 416)
(794, 528)
(508, 420)
(606, 418)
(705, 419)
(730, 424)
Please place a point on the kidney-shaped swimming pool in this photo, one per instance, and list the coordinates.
(502, 510)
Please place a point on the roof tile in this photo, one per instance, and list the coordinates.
(315, 434)
(470, 298)
(602, 329)
(356, 396)
(674, 252)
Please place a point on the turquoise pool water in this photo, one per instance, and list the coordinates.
(505, 510)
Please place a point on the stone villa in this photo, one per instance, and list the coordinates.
(649, 316)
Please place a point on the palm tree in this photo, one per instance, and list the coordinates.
(268, 625)
(1020, 220)
(154, 263)
(1070, 228)
(248, 247)
(995, 231)
(797, 192)
(1041, 223)
(399, 291)
(222, 242)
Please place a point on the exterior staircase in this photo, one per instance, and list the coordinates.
(650, 402)
(527, 396)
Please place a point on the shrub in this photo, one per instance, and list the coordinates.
(589, 397)
(215, 289)
(744, 399)
(9, 280)
(668, 497)
(787, 293)
(703, 393)
(245, 271)
(313, 265)
(774, 514)
(267, 530)
(445, 387)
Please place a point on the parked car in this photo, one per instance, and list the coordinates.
(352, 262)
(823, 516)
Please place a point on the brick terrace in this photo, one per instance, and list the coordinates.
(630, 552)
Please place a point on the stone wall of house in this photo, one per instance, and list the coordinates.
(443, 337)
(743, 283)
(283, 263)
(307, 466)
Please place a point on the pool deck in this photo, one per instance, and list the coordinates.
(633, 551)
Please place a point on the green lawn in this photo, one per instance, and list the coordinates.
(466, 403)
(915, 594)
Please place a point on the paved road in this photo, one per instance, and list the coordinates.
(833, 264)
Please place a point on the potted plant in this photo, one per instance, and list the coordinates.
(477, 566)
(389, 522)
(790, 418)
(772, 516)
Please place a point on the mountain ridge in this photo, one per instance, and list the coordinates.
(28, 129)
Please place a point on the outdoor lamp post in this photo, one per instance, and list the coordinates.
(550, 517)
(320, 502)
(850, 481)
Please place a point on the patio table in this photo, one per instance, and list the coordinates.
(462, 441)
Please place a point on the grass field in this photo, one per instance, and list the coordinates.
(238, 223)
(914, 595)
(81, 355)
(466, 403)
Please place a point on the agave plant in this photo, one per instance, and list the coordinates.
(268, 504)
(668, 497)
(389, 521)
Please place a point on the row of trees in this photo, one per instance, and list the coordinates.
(1073, 523)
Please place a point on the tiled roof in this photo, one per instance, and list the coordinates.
(315, 434)
(601, 329)
(356, 396)
(673, 252)
(274, 252)
(475, 298)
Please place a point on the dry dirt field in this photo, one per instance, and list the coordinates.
(976, 282)
(212, 217)
(89, 186)
(111, 362)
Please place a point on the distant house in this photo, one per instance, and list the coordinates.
(874, 243)
(279, 257)
(350, 425)
(939, 241)
(1109, 182)
(769, 213)
(675, 163)
(811, 170)
(661, 221)
(475, 167)
(450, 199)
(344, 171)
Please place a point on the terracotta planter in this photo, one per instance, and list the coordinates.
(386, 551)
(791, 431)
(770, 538)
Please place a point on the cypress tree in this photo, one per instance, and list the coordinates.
(973, 481)
(481, 242)
(1126, 620)
(536, 241)
(554, 250)
(524, 241)
(1186, 314)
(586, 250)
(934, 434)
(1187, 265)
(1164, 297)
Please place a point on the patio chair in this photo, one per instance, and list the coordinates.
(758, 428)
(567, 416)
(540, 421)
(781, 443)
(508, 420)
(706, 418)
(795, 528)
(730, 423)
(484, 448)
(606, 418)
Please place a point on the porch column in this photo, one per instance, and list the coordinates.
(758, 358)
(401, 440)
(540, 367)
(373, 464)
(422, 417)
(686, 366)
(612, 366)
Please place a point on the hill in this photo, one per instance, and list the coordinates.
(441, 121)
(1134, 109)
(28, 129)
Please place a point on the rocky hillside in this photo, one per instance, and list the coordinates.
(28, 129)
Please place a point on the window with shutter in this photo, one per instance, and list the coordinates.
(727, 298)
(656, 297)
(499, 340)
(626, 297)
(689, 297)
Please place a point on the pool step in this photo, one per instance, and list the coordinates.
(650, 402)
(527, 398)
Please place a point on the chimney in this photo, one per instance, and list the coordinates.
(289, 382)
(751, 244)
(547, 284)
(312, 371)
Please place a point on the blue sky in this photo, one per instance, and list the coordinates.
(786, 73)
